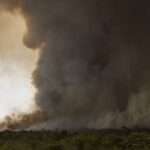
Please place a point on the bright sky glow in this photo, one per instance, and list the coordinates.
(16, 66)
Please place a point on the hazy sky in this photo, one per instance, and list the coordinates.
(17, 63)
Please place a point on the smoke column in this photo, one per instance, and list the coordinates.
(94, 66)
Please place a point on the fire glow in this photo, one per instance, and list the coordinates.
(16, 66)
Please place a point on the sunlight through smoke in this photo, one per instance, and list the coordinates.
(16, 66)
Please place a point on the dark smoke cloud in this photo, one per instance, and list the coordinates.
(94, 64)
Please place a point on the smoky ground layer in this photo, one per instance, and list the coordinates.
(94, 66)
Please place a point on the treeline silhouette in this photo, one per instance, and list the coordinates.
(84, 139)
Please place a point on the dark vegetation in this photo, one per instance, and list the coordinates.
(83, 140)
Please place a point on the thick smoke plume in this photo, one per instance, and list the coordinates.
(94, 66)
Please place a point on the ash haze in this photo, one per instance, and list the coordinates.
(93, 69)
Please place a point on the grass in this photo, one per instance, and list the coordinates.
(83, 140)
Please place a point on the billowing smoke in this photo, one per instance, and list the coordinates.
(94, 63)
